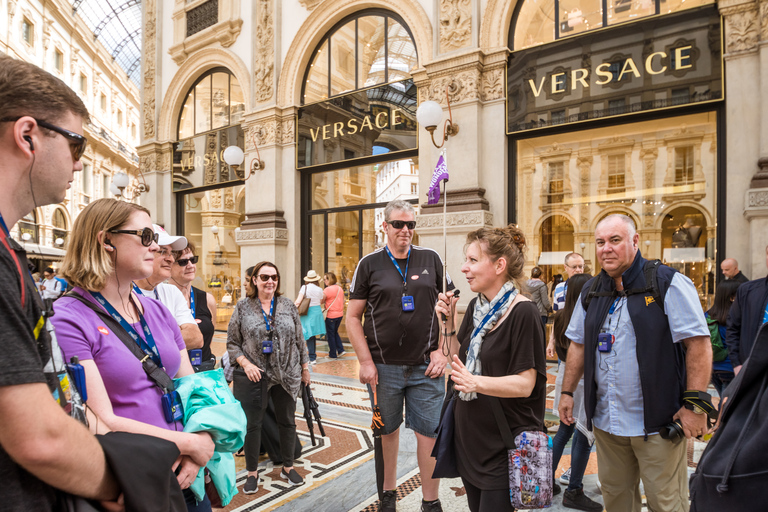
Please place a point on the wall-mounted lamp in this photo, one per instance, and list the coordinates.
(234, 156)
(582, 245)
(26, 237)
(122, 187)
(430, 114)
(59, 241)
(647, 243)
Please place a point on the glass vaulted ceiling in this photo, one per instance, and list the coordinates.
(117, 25)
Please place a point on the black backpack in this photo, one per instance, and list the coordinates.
(732, 472)
(651, 286)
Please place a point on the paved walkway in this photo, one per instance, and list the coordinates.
(339, 470)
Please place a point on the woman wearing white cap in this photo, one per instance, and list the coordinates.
(313, 323)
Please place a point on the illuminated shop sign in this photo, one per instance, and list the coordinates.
(663, 62)
(360, 124)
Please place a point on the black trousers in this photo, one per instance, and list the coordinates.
(254, 397)
(480, 500)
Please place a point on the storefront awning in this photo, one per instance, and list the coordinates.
(553, 258)
(36, 251)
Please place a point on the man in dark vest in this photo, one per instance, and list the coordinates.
(639, 350)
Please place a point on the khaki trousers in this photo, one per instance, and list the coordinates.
(662, 465)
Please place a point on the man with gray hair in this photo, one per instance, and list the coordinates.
(574, 264)
(641, 349)
(398, 348)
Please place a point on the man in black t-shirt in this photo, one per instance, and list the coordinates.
(42, 448)
(398, 346)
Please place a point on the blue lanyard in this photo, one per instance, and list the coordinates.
(394, 262)
(140, 292)
(271, 313)
(192, 301)
(613, 306)
(5, 228)
(492, 312)
(765, 314)
(147, 346)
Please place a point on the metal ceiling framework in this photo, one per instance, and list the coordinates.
(116, 25)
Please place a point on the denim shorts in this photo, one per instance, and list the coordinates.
(423, 397)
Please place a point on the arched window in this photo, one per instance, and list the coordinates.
(60, 229)
(214, 101)
(539, 22)
(369, 48)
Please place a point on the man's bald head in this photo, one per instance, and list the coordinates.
(730, 268)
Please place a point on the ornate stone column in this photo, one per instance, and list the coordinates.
(747, 134)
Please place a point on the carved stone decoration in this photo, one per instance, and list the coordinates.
(741, 31)
(476, 218)
(764, 21)
(455, 24)
(47, 23)
(757, 198)
(210, 166)
(147, 163)
(224, 143)
(11, 9)
(265, 52)
(148, 49)
(288, 131)
(309, 4)
(74, 58)
(263, 133)
(216, 199)
(492, 85)
(648, 156)
(262, 236)
(229, 200)
(461, 87)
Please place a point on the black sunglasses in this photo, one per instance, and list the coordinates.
(147, 235)
(399, 224)
(184, 261)
(77, 142)
(266, 277)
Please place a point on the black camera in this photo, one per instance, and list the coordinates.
(673, 432)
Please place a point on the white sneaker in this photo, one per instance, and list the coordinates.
(312, 363)
(565, 478)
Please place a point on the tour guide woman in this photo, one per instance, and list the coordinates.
(503, 358)
(202, 304)
(112, 244)
(265, 339)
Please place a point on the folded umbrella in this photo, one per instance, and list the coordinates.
(377, 424)
(315, 410)
(305, 394)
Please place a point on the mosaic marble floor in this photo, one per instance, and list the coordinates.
(339, 471)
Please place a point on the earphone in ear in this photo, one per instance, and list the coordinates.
(31, 145)
(108, 244)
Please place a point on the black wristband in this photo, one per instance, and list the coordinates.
(447, 334)
(569, 393)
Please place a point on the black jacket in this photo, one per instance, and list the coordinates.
(740, 278)
(661, 361)
(745, 318)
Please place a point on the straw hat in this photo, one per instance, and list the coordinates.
(312, 277)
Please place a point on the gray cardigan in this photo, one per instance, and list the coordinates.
(538, 290)
(247, 330)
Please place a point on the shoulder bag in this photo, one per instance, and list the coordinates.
(304, 305)
(529, 456)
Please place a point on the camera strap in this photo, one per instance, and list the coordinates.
(155, 373)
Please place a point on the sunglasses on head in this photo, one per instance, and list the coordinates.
(184, 261)
(399, 224)
(77, 142)
(266, 277)
(147, 235)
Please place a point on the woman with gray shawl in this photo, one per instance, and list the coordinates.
(497, 355)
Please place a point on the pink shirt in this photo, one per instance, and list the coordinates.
(334, 301)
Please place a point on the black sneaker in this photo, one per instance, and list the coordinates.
(388, 502)
(251, 485)
(292, 476)
(431, 506)
(578, 500)
(555, 489)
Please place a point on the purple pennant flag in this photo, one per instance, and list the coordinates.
(439, 174)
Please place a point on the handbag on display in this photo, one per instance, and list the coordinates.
(304, 306)
(444, 450)
(529, 456)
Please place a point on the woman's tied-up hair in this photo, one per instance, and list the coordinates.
(508, 243)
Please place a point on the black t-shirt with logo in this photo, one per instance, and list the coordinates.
(395, 336)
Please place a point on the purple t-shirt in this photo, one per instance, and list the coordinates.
(82, 333)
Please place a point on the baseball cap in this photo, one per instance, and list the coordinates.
(177, 243)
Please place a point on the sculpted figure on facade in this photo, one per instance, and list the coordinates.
(455, 24)
(265, 51)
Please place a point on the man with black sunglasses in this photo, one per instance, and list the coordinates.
(43, 450)
(396, 288)
(155, 287)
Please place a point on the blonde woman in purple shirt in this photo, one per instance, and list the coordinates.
(112, 245)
